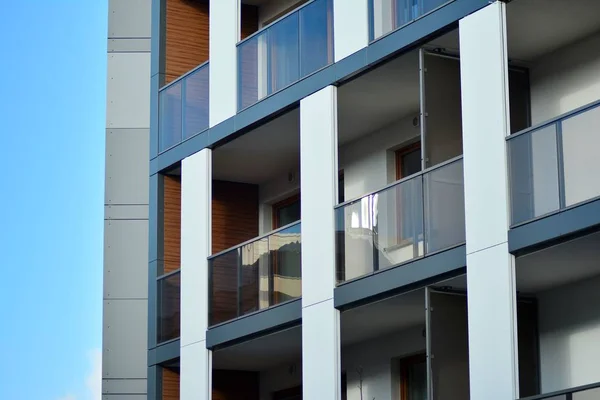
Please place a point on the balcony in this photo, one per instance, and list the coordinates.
(554, 166)
(579, 393)
(388, 15)
(255, 275)
(285, 51)
(183, 108)
(169, 311)
(411, 218)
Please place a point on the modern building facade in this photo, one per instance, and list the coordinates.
(368, 199)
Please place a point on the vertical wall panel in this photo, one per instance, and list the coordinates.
(187, 33)
(350, 27)
(170, 384)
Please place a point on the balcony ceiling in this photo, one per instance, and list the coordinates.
(538, 27)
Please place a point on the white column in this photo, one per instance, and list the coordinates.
(490, 267)
(350, 27)
(224, 35)
(320, 320)
(196, 179)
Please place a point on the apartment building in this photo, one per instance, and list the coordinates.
(370, 199)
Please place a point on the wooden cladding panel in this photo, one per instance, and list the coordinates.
(234, 214)
(170, 385)
(172, 223)
(249, 20)
(235, 385)
(187, 33)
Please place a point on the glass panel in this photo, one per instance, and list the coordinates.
(169, 314)
(533, 174)
(417, 381)
(580, 144)
(316, 36)
(196, 103)
(285, 251)
(282, 57)
(354, 240)
(411, 163)
(251, 84)
(254, 282)
(288, 214)
(591, 394)
(398, 223)
(170, 116)
(224, 294)
(388, 15)
(445, 207)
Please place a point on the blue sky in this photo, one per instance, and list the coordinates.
(52, 116)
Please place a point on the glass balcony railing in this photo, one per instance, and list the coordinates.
(586, 392)
(183, 108)
(284, 52)
(388, 15)
(413, 217)
(169, 311)
(554, 166)
(256, 275)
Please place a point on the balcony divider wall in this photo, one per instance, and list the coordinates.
(255, 275)
(411, 218)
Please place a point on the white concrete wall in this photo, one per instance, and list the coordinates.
(125, 293)
(565, 79)
(377, 358)
(283, 377)
(490, 267)
(350, 27)
(196, 187)
(224, 35)
(569, 329)
(369, 162)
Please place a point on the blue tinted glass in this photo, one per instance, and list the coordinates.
(170, 116)
(282, 56)
(196, 103)
(316, 36)
(248, 70)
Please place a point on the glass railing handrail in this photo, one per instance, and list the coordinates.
(554, 120)
(168, 274)
(401, 181)
(266, 27)
(564, 392)
(182, 77)
(256, 239)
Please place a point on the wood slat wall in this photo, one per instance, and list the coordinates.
(234, 221)
(235, 385)
(170, 385)
(172, 223)
(187, 33)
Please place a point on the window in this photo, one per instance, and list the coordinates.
(408, 160)
(341, 187)
(413, 378)
(286, 211)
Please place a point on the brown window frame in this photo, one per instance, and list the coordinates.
(401, 153)
(279, 205)
(405, 363)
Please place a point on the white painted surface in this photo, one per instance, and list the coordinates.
(195, 379)
(129, 18)
(321, 370)
(224, 34)
(377, 357)
(280, 378)
(382, 17)
(569, 329)
(565, 80)
(128, 83)
(490, 268)
(351, 27)
(318, 167)
(196, 181)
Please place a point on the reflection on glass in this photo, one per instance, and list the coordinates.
(389, 15)
(170, 116)
(285, 52)
(580, 144)
(285, 252)
(256, 275)
(196, 103)
(445, 211)
(168, 298)
(385, 229)
(534, 174)
(590, 394)
(224, 285)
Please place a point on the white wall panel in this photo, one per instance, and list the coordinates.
(129, 18)
(126, 259)
(224, 34)
(195, 379)
(196, 179)
(128, 88)
(350, 27)
(321, 352)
